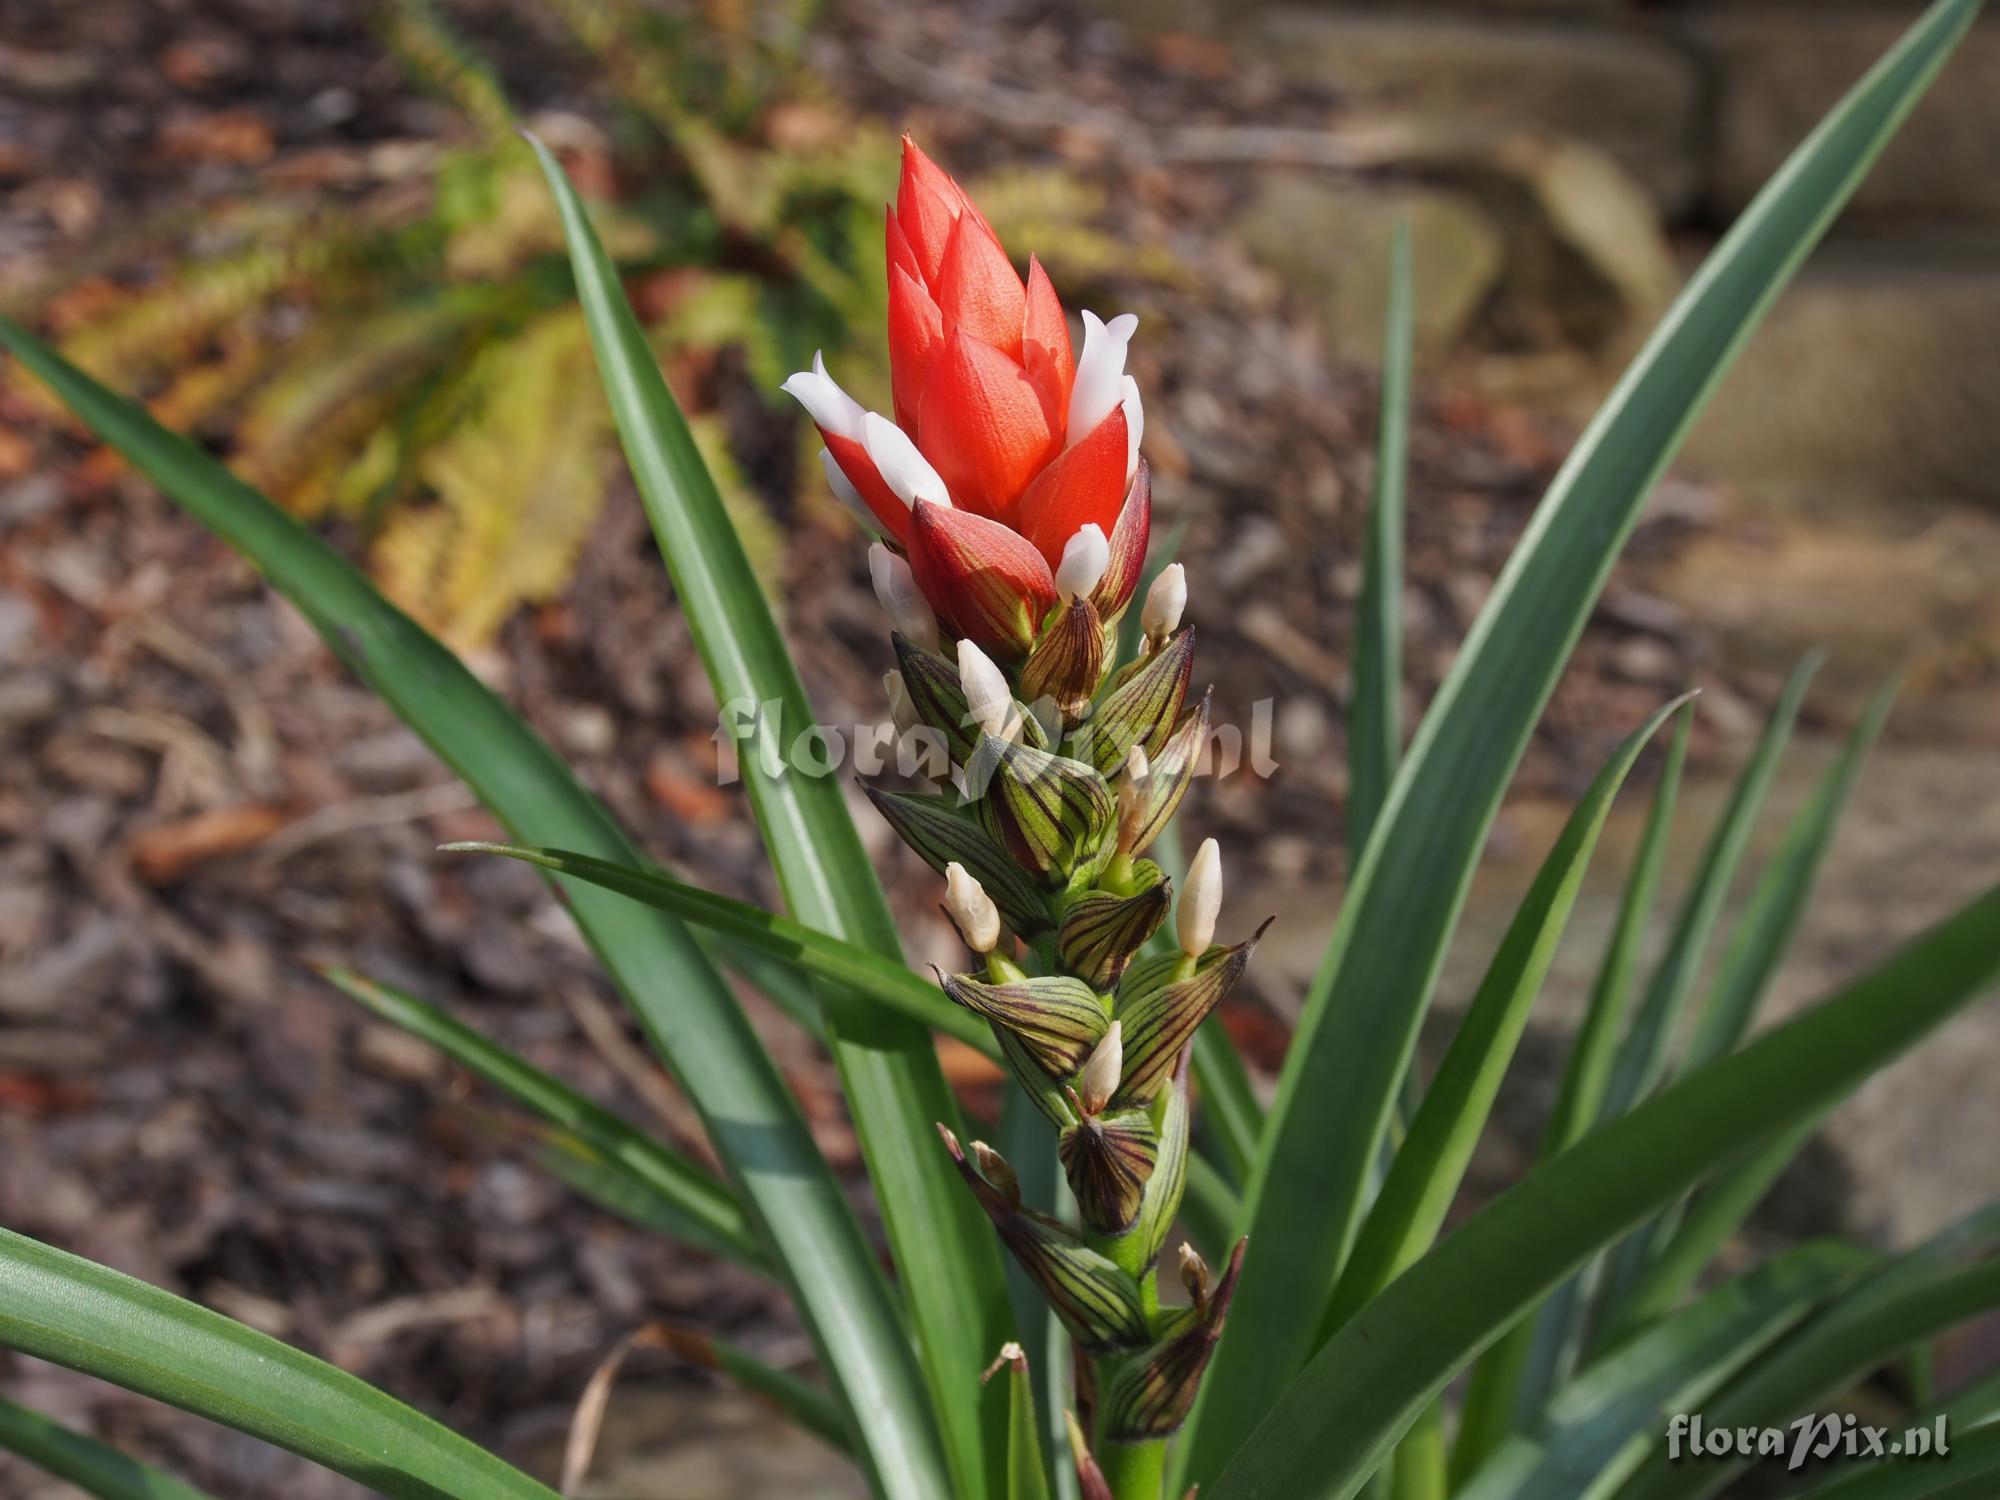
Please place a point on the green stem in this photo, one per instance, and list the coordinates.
(1135, 1471)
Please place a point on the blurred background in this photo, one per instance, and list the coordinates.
(304, 231)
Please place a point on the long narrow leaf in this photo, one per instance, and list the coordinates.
(93, 1467)
(688, 1011)
(1970, 1472)
(846, 964)
(87, 1317)
(944, 1249)
(1778, 901)
(1599, 1427)
(1366, 1004)
(1330, 1429)
(1375, 718)
(1644, 1055)
(1949, 1279)
(1538, 1353)
(1428, 1169)
(704, 1209)
(1678, 1246)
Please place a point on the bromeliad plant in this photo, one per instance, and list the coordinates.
(1014, 513)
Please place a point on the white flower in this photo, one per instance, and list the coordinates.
(971, 908)
(1160, 616)
(988, 699)
(1201, 900)
(896, 459)
(1102, 1071)
(1100, 372)
(825, 402)
(896, 591)
(1133, 798)
(1086, 557)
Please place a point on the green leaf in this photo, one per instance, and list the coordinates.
(1599, 1427)
(804, 948)
(1643, 1057)
(91, 1466)
(1778, 900)
(1375, 716)
(688, 1011)
(1330, 1429)
(1430, 1166)
(807, 1406)
(1970, 1472)
(701, 1208)
(946, 1258)
(71, 1312)
(1677, 1250)
(1365, 1007)
(1952, 1277)
(1027, 1459)
(1538, 1353)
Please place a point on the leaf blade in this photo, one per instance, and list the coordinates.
(89, 1318)
(690, 1016)
(1335, 1095)
(97, 1469)
(947, 1259)
(1397, 1353)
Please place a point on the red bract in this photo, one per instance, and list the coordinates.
(1005, 446)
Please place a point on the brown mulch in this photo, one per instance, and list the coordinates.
(197, 803)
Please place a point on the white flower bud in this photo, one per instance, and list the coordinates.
(1160, 616)
(1201, 900)
(1132, 798)
(1102, 1071)
(1086, 557)
(897, 592)
(995, 1169)
(902, 712)
(1194, 1276)
(987, 697)
(971, 908)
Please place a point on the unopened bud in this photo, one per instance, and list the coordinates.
(902, 712)
(1132, 798)
(1160, 616)
(896, 591)
(995, 1169)
(1085, 560)
(1201, 900)
(1101, 1072)
(988, 699)
(971, 908)
(1194, 1276)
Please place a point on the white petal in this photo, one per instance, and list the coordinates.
(971, 908)
(1100, 373)
(1201, 900)
(1086, 557)
(1160, 615)
(845, 492)
(1135, 425)
(1103, 1069)
(897, 592)
(988, 699)
(825, 402)
(902, 468)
